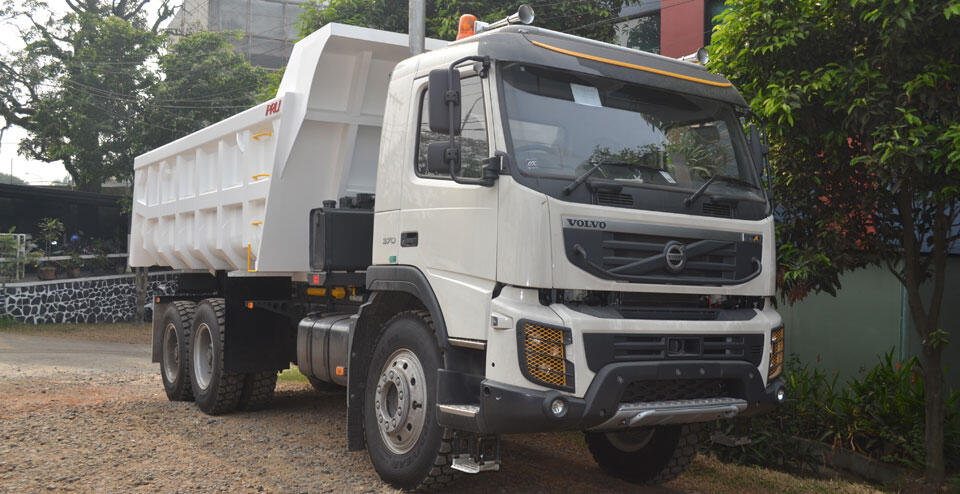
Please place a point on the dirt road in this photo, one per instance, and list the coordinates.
(92, 417)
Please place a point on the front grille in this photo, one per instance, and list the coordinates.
(607, 198)
(622, 250)
(605, 348)
(646, 253)
(677, 389)
(543, 354)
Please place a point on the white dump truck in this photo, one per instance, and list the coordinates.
(519, 231)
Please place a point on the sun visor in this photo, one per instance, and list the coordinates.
(556, 50)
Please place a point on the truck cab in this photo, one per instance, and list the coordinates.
(555, 234)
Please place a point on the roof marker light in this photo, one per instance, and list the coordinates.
(467, 22)
(469, 25)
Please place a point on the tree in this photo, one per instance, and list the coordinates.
(204, 80)
(591, 18)
(863, 114)
(6, 178)
(77, 87)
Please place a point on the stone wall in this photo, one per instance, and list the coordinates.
(97, 299)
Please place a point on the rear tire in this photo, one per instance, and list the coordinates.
(649, 455)
(215, 390)
(175, 343)
(407, 446)
(258, 388)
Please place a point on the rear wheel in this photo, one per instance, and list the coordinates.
(215, 390)
(175, 355)
(648, 455)
(407, 446)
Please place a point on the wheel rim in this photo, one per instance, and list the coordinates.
(203, 356)
(171, 353)
(401, 402)
(631, 440)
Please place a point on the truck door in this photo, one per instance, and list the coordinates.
(449, 230)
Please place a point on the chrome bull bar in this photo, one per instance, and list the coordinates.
(652, 413)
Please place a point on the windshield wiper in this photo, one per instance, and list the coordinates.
(596, 166)
(722, 178)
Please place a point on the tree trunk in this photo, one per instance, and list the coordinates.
(931, 358)
(926, 320)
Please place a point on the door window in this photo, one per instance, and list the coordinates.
(473, 136)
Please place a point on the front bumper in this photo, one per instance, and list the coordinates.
(506, 409)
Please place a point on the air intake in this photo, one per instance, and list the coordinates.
(716, 209)
(607, 198)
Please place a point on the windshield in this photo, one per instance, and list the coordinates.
(562, 124)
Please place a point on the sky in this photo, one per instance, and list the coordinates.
(32, 171)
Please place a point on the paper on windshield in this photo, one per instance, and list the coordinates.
(585, 95)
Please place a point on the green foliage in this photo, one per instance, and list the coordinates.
(76, 89)
(204, 81)
(861, 102)
(50, 231)
(588, 18)
(879, 414)
(97, 85)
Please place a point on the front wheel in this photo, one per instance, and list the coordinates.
(647, 455)
(407, 446)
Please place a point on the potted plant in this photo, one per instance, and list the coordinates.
(51, 231)
(73, 264)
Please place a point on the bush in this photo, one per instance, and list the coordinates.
(880, 414)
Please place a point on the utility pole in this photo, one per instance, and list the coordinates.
(417, 26)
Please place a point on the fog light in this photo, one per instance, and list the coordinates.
(781, 395)
(558, 408)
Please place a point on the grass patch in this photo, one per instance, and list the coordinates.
(104, 332)
(293, 375)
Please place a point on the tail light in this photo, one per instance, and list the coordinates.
(543, 354)
(777, 346)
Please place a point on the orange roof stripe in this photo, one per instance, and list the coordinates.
(631, 66)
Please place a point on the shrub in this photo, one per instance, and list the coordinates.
(880, 414)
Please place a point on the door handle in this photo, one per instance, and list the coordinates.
(409, 239)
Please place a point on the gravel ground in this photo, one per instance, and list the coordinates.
(92, 417)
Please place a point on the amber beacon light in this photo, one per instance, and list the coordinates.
(469, 25)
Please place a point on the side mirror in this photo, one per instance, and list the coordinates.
(443, 96)
(758, 149)
(439, 157)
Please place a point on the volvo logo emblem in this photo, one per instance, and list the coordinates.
(674, 256)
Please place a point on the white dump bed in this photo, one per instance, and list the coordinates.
(236, 195)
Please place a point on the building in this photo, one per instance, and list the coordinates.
(673, 28)
(269, 27)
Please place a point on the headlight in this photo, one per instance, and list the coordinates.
(542, 350)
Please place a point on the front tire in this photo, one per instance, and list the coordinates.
(215, 390)
(175, 350)
(648, 455)
(407, 446)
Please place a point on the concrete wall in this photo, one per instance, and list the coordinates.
(868, 318)
(97, 299)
